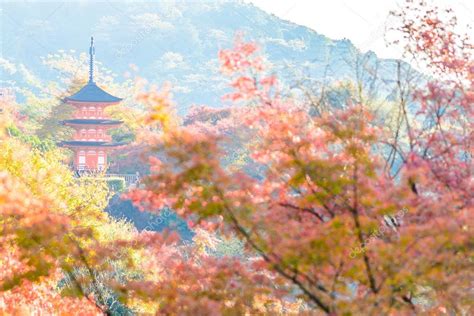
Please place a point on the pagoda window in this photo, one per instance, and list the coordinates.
(99, 113)
(83, 133)
(92, 112)
(92, 134)
(100, 135)
(84, 111)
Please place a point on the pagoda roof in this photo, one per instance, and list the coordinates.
(92, 93)
(78, 143)
(92, 122)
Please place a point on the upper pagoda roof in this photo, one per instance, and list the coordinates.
(91, 92)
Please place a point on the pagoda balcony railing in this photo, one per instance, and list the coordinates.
(130, 178)
(78, 137)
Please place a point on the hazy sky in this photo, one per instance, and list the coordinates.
(361, 21)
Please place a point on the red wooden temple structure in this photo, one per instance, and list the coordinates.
(91, 143)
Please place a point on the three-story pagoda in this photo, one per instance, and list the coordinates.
(91, 143)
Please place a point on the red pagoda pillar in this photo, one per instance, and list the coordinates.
(91, 142)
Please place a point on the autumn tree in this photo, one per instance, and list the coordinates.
(325, 218)
(52, 225)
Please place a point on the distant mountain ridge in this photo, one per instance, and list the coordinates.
(172, 41)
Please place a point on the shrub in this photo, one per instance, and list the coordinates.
(116, 184)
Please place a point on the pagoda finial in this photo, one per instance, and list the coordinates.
(91, 62)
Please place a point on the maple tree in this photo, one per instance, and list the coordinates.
(328, 181)
(51, 225)
(62, 254)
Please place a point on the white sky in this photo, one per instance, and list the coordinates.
(361, 21)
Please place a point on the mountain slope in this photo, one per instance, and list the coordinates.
(171, 41)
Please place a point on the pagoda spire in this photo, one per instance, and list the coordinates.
(91, 61)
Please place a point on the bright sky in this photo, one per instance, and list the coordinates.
(361, 21)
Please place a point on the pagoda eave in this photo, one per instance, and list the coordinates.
(91, 93)
(100, 122)
(77, 144)
(77, 103)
